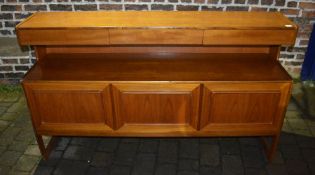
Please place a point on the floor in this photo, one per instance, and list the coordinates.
(159, 156)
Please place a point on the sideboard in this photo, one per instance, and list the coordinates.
(157, 74)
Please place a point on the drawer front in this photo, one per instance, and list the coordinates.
(241, 107)
(69, 106)
(155, 36)
(249, 37)
(157, 107)
(63, 37)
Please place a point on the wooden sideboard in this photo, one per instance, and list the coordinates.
(157, 74)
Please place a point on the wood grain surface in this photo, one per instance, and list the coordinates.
(243, 105)
(158, 19)
(156, 104)
(158, 67)
(156, 27)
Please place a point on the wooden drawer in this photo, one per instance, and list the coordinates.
(63, 36)
(244, 108)
(249, 37)
(70, 108)
(155, 36)
(156, 109)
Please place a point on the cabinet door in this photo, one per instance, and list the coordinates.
(70, 108)
(244, 108)
(156, 109)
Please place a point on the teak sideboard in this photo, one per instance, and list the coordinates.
(157, 74)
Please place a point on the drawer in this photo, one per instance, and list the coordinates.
(156, 108)
(63, 36)
(249, 37)
(70, 108)
(155, 36)
(237, 108)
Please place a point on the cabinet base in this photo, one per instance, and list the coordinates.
(269, 148)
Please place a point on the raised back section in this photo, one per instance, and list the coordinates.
(157, 28)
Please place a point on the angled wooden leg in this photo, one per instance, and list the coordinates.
(270, 149)
(45, 151)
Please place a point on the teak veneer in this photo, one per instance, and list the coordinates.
(157, 74)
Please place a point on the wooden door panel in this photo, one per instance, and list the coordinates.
(156, 108)
(68, 106)
(243, 107)
(155, 104)
(59, 105)
(237, 107)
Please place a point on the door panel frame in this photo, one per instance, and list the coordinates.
(30, 88)
(283, 88)
(193, 90)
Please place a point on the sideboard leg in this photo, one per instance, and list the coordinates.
(45, 151)
(270, 149)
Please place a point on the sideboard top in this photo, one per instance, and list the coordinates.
(158, 19)
(156, 28)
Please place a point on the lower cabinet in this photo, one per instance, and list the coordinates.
(157, 109)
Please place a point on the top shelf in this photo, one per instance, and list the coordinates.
(158, 19)
(157, 28)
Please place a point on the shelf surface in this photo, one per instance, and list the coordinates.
(157, 67)
(158, 19)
